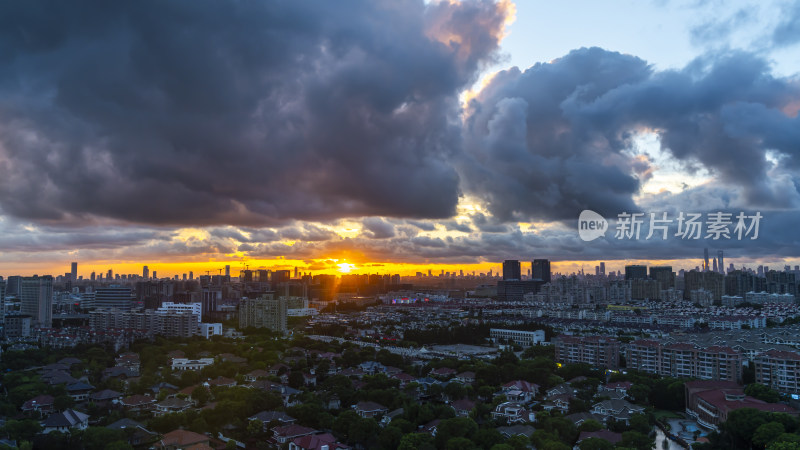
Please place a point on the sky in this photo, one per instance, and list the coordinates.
(392, 136)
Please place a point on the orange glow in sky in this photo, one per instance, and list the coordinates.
(327, 266)
(346, 267)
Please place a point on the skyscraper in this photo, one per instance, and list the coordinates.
(721, 262)
(664, 276)
(540, 270)
(191, 275)
(36, 299)
(74, 271)
(705, 259)
(635, 272)
(603, 269)
(714, 266)
(228, 272)
(511, 270)
(118, 297)
(145, 273)
(2, 301)
(110, 275)
(264, 312)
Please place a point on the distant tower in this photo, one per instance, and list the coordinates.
(721, 262)
(36, 299)
(191, 275)
(511, 270)
(228, 271)
(603, 269)
(146, 273)
(74, 271)
(155, 275)
(110, 275)
(93, 276)
(705, 259)
(714, 266)
(540, 270)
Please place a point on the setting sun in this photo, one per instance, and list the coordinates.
(346, 267)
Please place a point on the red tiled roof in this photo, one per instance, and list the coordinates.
(182, 438)
(718, 399)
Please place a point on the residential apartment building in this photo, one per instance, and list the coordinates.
(780, 370)
(685, 360)
(598, 351)
(165, 323)
(263, 312)
(36, 300)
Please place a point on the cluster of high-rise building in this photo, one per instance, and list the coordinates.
(514, 287)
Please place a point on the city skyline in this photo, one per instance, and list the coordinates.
(344, 268)
(467, 133)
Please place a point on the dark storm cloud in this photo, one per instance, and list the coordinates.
(554, 140)
(422, 225)
(454, 225)
(377, 228)
(246, 113)
(307, 232)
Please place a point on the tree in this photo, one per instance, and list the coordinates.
(455, 427)
(590, 425)
(762, 392)
(784, 445)
(639, 422)
(459, 443)
(634, 439)
(487, 437)
(363, 432)
(341, 426)
(454, 391)
(640, 393)
(201, 395)
(742, 424)
(98, 438)
(502, 447)
(63, 402)
(416, 441)
(595, 444)
(519, 442)
(767, 433)
(296, 379)
(390, 437)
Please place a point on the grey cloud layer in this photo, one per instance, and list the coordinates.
(554, 140)
(210, 112)
(269, 114)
